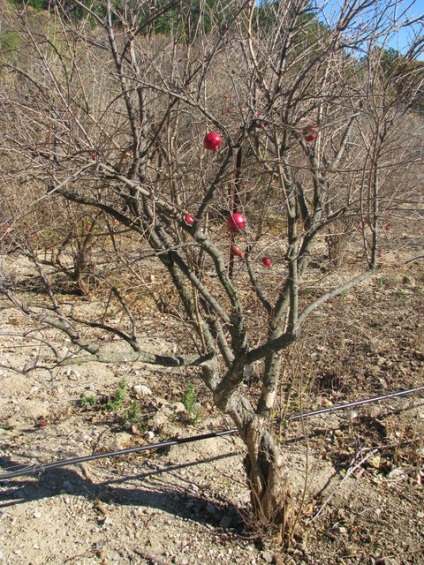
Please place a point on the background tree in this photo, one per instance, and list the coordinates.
(105, 118)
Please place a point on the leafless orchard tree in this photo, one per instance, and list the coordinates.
(104, 119)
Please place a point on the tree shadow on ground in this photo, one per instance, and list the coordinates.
(181, 498)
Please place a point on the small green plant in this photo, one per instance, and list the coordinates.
(133, 412)
(309, 291)
(115, 403)
(189, 397)
(189, 400)
(401, 292)
(379, 281)
(132, 417)
(88, 400)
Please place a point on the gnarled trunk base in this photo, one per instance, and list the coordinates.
(269, 482)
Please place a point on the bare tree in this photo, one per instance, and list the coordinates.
(108, 117)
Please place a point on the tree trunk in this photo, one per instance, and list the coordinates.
(268, 478)
(264, 463)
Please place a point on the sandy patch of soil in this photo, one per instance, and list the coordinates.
(358, 474)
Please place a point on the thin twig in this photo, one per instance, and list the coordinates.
(349, 472)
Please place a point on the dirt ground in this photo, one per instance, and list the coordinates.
(357, 474)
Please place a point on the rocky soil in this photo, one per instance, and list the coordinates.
(357, 474)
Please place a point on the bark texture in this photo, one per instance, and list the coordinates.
(268, 477)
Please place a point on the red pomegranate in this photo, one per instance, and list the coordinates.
(189, 219)
(310, 133)
(236, 222)
(212, 141)
(235, 250)
(260, 122)
(266, 261)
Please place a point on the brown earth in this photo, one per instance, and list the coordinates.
(357, 474)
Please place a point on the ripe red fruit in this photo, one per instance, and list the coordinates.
(189, 219)
(266, 261)
(42, 423)
(262, 123)
(212, 141)
(236, 222)
(235, 250)
(310, 133)
(88, 227)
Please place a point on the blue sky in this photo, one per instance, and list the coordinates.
(399, 40)
(402, 38)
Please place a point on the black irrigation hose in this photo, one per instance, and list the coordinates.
(356, 403)
(38, 469)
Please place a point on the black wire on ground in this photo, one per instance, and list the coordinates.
(355, 403)
(38, 469)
